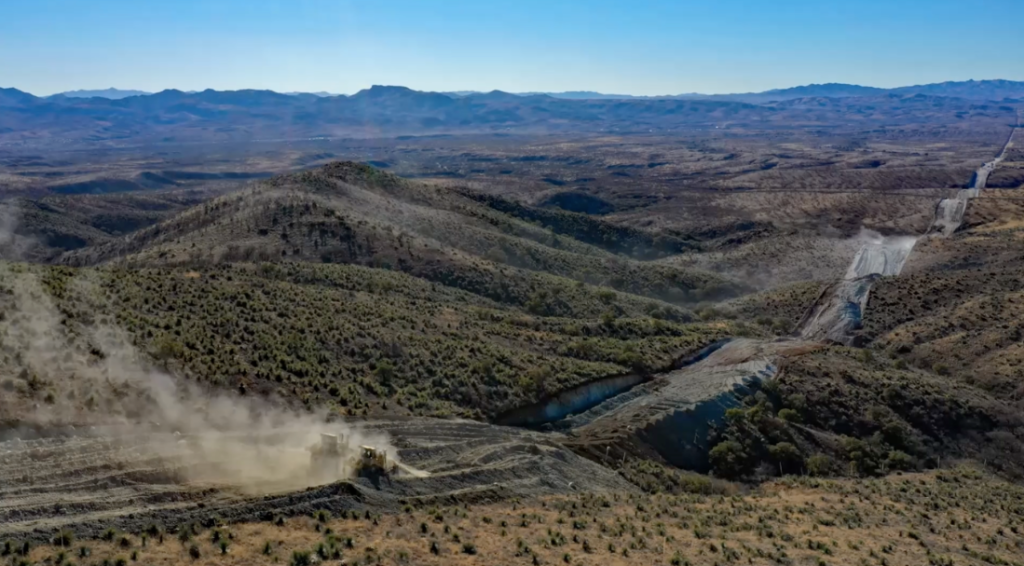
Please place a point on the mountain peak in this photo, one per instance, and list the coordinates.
(15, 96)
(110, 93)
(377, 91)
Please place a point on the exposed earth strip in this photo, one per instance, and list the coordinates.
(670, 417)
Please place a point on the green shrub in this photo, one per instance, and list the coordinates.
(64, 538)
(322, 516)
(786, 455)
(820, 465)
(729, 459)
(898, 460)
(790, 416)
(302, 558)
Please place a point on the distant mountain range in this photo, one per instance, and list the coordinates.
(111, 93)
(979, 90)
(118, 94)
(255, 115)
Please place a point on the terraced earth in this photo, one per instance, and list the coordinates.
(92, 480)
(670, 418)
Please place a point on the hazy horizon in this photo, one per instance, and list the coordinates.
(646, 48)
(466, 91)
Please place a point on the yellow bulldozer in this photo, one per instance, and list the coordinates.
(331, 460)
(372, 462)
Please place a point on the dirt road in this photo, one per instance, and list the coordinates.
(949, 214)
(836, 315)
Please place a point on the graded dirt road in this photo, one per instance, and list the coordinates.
(949, 214)
(839, 311)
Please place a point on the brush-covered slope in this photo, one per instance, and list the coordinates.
(959, 310)
(41, 230)
(359, 340)
(842, 411)
(352, 288)
(354, 214)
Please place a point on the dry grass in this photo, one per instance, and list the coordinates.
(949, 517)
(957, 305)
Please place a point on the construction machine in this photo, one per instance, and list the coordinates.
(332, 460)
(372, 462)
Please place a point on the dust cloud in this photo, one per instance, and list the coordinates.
(83, 371)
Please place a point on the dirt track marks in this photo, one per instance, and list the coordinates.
(124, 480)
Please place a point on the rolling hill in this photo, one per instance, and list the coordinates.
(349, 287)
(353, 213)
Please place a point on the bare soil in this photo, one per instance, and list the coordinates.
(103, 478)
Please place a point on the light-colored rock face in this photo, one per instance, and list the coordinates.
(880, 255)
(839, 310)
(950, 214)
(673, 415)
(839, 313)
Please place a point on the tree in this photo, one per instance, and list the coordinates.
(820, 465)
(789, 415)
(898, 460)
(729, 460)
(786, 456)
(385, 371)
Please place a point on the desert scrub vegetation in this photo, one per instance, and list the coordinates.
(966, 320)
(632, 242)
(951, 516)
(778, 310)
(355, 339)
(841, 411)
(353, 214)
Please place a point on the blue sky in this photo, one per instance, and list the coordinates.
(628, 46)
